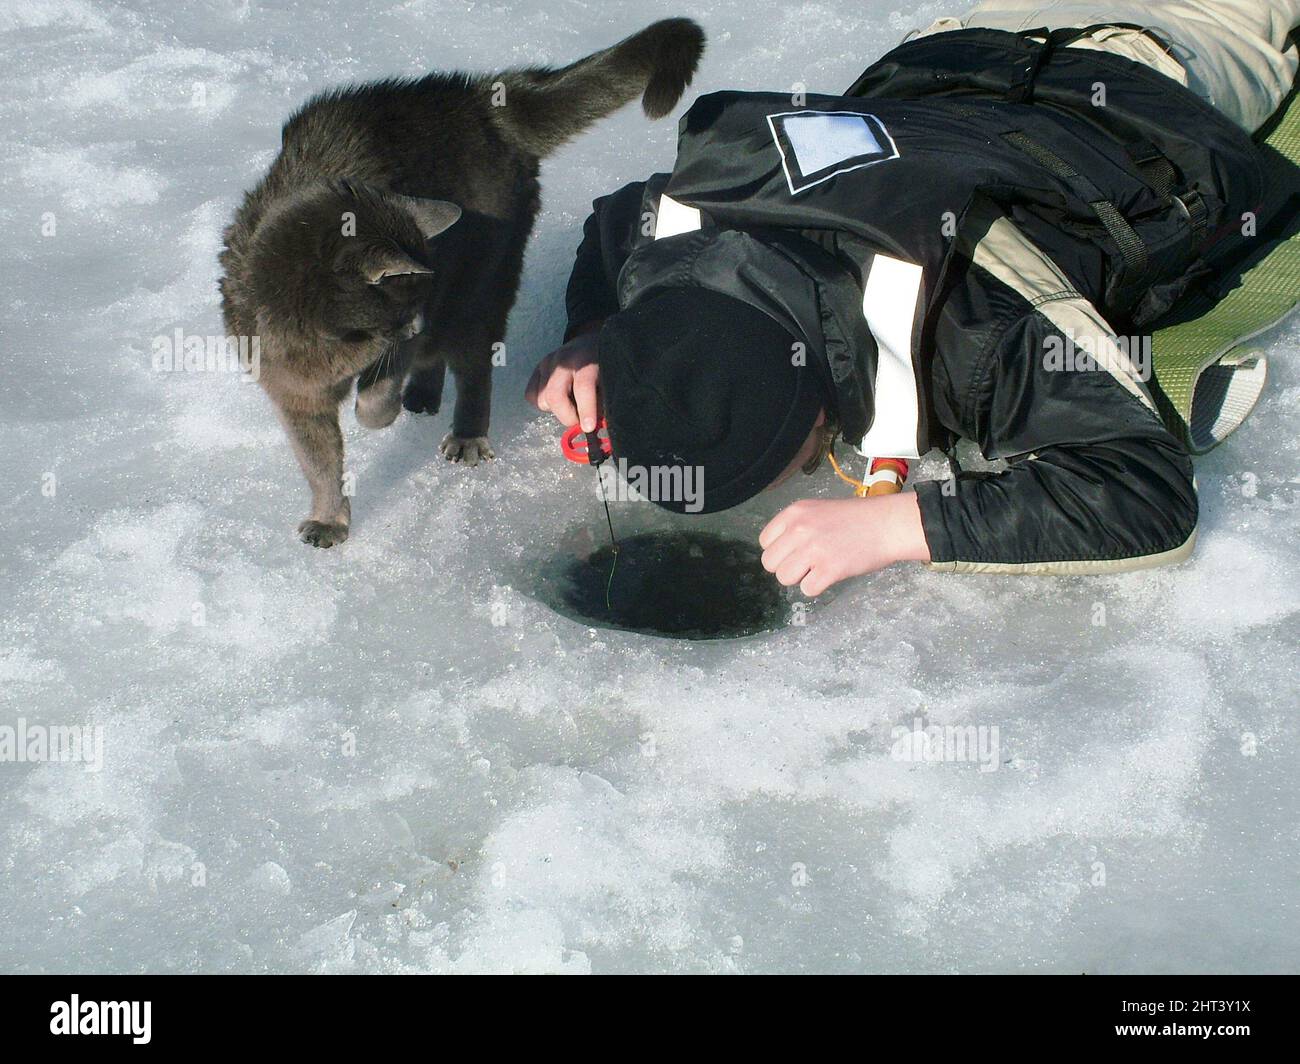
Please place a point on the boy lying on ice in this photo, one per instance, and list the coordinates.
(970, 243)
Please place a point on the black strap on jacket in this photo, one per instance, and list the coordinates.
(1155, 167)
(1131, 248)
(1021, 89)
(1158, 172)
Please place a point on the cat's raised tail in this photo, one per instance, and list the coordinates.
(543, 107)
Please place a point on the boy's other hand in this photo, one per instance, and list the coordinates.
(819, 542)
(564, 383)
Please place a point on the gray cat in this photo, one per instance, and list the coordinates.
(386, 242)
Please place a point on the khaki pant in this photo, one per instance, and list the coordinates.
(1232, 53)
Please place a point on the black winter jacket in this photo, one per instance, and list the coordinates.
(971, 246)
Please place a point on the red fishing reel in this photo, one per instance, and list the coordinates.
(577, 445)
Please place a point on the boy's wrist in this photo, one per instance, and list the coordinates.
(906, 535)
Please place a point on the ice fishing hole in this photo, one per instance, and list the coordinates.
(681, 585)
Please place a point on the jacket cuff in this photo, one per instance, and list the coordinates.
(584, 323)
(929, 497)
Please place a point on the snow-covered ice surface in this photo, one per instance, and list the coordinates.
(388, 757)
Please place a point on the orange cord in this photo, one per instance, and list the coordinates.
(859, 488)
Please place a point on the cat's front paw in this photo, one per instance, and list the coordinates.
(322, 533)
(421, 400)
(468, 449)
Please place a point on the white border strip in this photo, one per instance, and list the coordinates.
(785, 165)
(672, 218)
(889, 302)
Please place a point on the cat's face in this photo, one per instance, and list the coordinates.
(344, 272)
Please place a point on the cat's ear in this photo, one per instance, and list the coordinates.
(433, 216)
(390, 262)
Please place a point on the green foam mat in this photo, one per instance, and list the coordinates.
(1207, 377)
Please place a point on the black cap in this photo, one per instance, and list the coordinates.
(690, 377)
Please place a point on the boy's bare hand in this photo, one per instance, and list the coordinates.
(564, 383)
(818, 542)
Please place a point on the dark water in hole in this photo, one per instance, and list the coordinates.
(686, 585)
